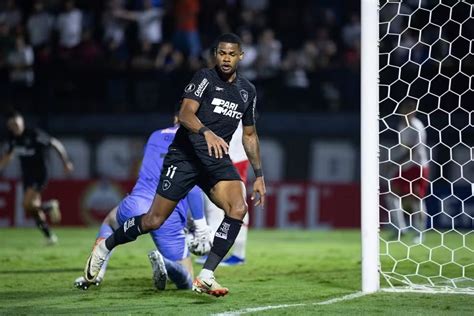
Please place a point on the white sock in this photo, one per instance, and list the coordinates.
(206, 274)
(102, 247)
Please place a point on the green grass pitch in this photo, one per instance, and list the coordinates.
(283, 267)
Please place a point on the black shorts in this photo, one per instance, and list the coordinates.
(36, 183)
(183, 170)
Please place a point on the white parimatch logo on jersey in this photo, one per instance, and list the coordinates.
(226, 108)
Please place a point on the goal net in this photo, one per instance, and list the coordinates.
(426, 145)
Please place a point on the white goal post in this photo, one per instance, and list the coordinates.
(417, 146)
(369, 139)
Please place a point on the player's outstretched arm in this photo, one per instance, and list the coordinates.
(59, 147)
(187, 117)
(252, 149)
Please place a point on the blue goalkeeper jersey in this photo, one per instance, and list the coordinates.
(150, 171)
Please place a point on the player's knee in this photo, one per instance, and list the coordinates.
(151, 221)
(30, 207)
(238, 211)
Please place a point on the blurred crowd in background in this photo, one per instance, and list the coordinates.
(121, 56)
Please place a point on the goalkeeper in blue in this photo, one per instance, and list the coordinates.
(171, 260)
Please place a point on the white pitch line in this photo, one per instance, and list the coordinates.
(256, 309)
(269, 307)
(342, 298)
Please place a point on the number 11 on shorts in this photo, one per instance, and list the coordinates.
(171, 171)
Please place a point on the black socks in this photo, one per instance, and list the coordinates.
(42, 225)
(223, 241)
(130, 230)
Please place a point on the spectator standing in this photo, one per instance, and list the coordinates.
(248, 64)
(39, 26)
(149, 22)
(69, 25)
(269, 54)
(186, 37)
(20, 62)
(11, 15)
(114, 32)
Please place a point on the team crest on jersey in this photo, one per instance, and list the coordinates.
(190, 88)
(244, 94)
(166, 185)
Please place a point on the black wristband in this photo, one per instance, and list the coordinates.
(203, 129)
(258, 172)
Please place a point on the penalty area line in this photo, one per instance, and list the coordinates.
(270, 307)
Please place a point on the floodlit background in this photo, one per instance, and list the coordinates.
(103, 75)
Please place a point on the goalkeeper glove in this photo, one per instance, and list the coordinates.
(200, 241)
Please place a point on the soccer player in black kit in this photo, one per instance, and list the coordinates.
(31, 146)
(213, 104)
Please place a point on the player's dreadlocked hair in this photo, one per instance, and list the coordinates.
(227, 38)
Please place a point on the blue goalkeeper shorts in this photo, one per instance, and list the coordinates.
(170, 238)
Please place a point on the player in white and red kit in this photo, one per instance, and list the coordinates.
(215, 215)
(411, 181)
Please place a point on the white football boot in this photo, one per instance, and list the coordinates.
(52, 240)
(95, 261)
(209, 286)
(83, 284)
(160, 275)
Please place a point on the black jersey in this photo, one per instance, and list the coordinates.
(222, 106)
(31, 147)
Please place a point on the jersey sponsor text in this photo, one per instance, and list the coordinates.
(202, 86)
(226, 108)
